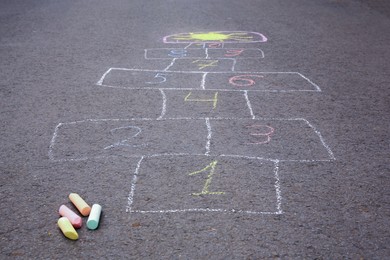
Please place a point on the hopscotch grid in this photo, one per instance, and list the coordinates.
(276, 162)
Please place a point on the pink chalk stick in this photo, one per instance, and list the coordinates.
(73, 217)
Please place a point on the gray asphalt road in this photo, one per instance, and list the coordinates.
(268, 137)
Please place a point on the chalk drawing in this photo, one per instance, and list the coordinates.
(125, 142)
(264, 130)
(297, 140)
(244, 80)
(269, 81)
(263, 196)
(214, 99)
(205, 189)
(178, 53)
(214, 45)
(202, 53)
(205, 63)
(161, 78)
(233, 53)
(243, 148)
(216, 37)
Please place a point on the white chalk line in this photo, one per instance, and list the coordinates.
(164, 105)
(130, 198)
(331, 155)
(311, 82)
(276, 185)
(209, 135)
(100, 82)
(170, 65)
(203, 81)
(211, 89)
(234, 64)
(55, 134)
(248, 103)
(52, 142)
(278, 189)
(189, 45)
(208, 210)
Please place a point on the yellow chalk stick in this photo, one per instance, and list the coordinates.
(94, 216)
(80, 204)
(67, 228)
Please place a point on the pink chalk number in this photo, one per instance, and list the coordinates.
(244, 80)
(261, 132)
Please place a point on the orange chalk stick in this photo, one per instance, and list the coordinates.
(80, 204)
(67, 228)
(73, 217)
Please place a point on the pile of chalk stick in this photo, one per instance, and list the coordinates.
(70, 220)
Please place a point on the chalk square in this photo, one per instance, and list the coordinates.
(88, 139)
(205, 103)
(171, 53)
(236, 53)
(278, 139)
(164, 185)
(150, 79)
(202, 65)
(260, 81)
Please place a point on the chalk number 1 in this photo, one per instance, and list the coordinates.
(205, 190)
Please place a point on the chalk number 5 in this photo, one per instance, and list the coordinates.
(160, 78)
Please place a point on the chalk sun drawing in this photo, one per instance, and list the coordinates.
(216, 37)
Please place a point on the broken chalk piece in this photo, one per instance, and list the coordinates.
(67, 228)
(80, 204)
(94, 216)
(73, 217)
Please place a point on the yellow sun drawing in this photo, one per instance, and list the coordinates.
(215, 37)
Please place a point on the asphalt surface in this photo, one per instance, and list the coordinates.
(294, 168)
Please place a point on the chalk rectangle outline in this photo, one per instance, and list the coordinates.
(206, 54)
(130, 199)
(208, 127)
(100, 82)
